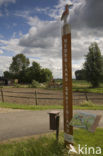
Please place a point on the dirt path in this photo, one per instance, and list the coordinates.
(20, 123)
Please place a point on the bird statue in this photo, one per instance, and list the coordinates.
(65, 14)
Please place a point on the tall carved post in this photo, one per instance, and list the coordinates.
(67, 78)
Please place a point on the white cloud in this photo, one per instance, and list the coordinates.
(43, 40)
(4, 63)
(1, 51)
(11, 45)
(6, 1)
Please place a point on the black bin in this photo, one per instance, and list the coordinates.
(54, 120)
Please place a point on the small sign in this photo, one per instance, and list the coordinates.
(68, 138)
(85, 120)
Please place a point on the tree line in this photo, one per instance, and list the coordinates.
(20, 69)
(92, 70)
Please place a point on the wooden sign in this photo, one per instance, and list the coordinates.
(67, 79)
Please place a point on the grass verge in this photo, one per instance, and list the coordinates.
(47, 145)
(29, 107)
(47, 107)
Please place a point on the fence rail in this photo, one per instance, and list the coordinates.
(37, 95)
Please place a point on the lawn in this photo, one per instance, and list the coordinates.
(47, 145)
(84, 86)
(85, 106)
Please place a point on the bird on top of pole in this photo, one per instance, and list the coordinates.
(66, 13)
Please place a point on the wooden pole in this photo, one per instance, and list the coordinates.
(86, 96)
(67, 83)
(36, 98)
(2, 95)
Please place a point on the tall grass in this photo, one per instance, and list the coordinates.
(48, 146)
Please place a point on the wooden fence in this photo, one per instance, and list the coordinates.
(42, 98)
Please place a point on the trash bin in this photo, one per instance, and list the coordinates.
(54, 120)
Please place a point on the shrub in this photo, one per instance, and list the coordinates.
(87, 104)
(35, 84)
(17, 85)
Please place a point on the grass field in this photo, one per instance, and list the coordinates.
(85, 106)
(84, 86)
(78, 85)
(47, 145)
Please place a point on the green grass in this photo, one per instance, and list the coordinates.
(84, 86)
(29, 107)
(85, 106)
(88, 105)
(47, 145)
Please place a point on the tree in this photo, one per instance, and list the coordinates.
(102, 71)
(34, 71)
(93, 65)
(19, 69)
(46, 75)
(80, 74)
(8, 75)
(19, 63)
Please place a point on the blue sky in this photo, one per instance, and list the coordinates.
(10, 18)
(33, 27)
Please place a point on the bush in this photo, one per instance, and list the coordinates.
(87, 104)
(17, 85)
(35, 84)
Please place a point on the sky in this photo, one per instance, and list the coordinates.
(33, 27)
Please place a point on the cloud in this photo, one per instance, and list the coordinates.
(6, 1)
(4, 63)
(41, 33)
(11, 45)
(1, 51)
(87, 13)
(43, 39)
(56, 11)
(42, 43)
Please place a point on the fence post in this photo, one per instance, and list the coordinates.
(36, 98)
(86, 96)
(2, 95)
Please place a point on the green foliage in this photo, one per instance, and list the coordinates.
(8, 75)
(35, 84)
(19, 63)
(43, 146)
(93, 65)
(87, 104)
(19, 69)
(80, 74)
(102, 70)
(48, 146)
(17, 85)
(46, 75)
